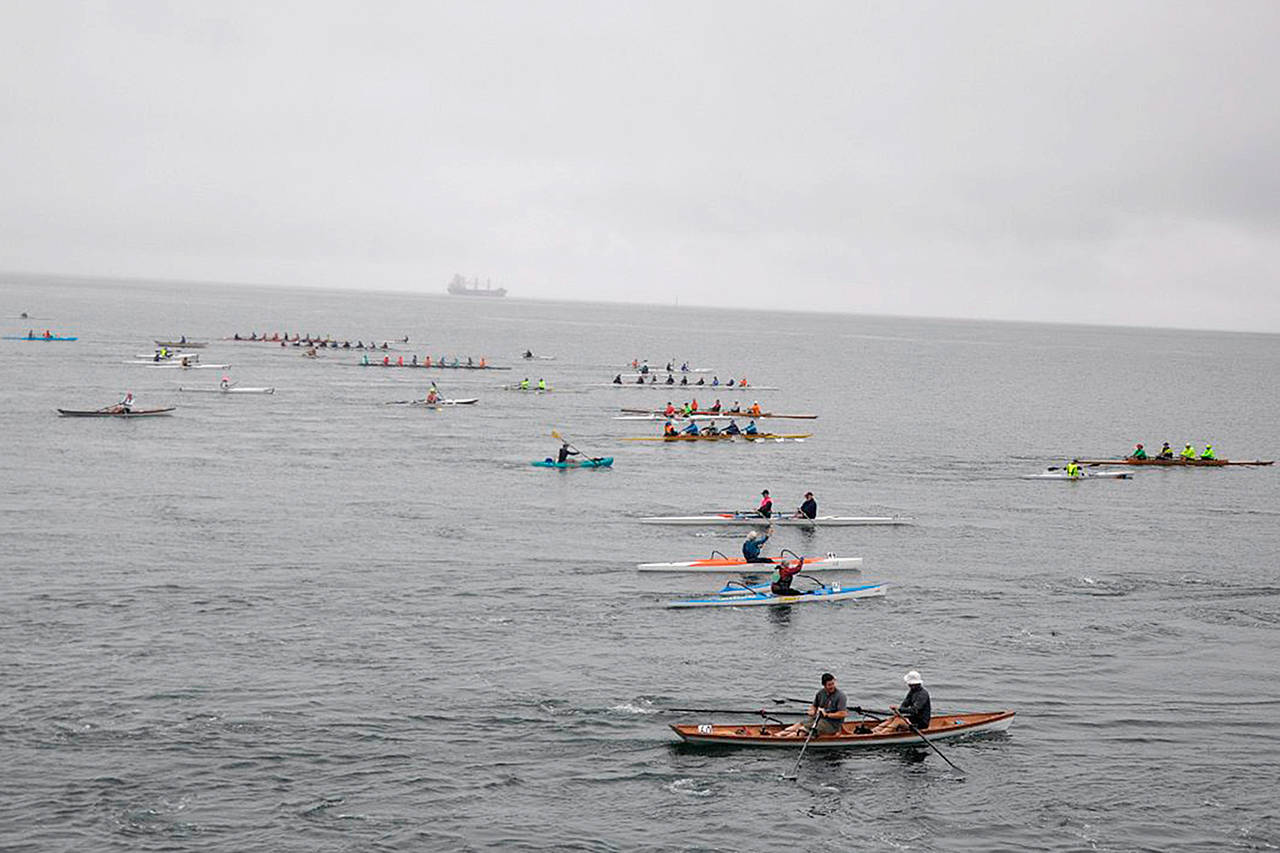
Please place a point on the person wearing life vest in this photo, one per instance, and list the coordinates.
(693, 404)
(542, 384)
(755, 409)
(691, 429)
(765, 510)
(1073, 469)
(670, 410)
(742, 383)
(750, 429)
(399, 358)
(1188, 453)
(668, 430)
(780, 582)
(524, 384)
(732, 428)
(1138, 453)
(1166, 452)
(686, 410)
(386, 361)
(483, 363)
(635, 363)
(1208, 452)
(754, 542)
(364, 360)
(426, 360)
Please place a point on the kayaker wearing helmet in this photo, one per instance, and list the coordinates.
(1208, 452)
(808, 509)
(828, 710)
(1073, 469)
(765, 510)
(915, 708)
(754, 542)
(1188, 453)
(565, 452)
(1166, 452)
(1138, 452)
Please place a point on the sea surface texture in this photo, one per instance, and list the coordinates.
(314, 621)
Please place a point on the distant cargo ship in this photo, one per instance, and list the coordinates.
(460, 287)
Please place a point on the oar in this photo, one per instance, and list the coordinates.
(817, 716)
(932, 745)
(761, 712)
(558, 437)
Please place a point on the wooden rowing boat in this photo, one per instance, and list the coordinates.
(1175, 463)
(944, 727)
(659, 414)
(762, 436)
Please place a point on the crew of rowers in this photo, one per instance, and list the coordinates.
(307, 340)
(684, 380)
(830, 709)
(32, 336)
(540, 385)
(442, 361)
(691, 429)
(642, 365)
(691, 408)
(1188, 453)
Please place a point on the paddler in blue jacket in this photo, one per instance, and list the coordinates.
(750, 428)
(691, 429)
(732, 428)
(751, 547)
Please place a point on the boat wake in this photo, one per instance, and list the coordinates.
(689, 788)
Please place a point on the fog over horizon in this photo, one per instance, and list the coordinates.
(1105, 163)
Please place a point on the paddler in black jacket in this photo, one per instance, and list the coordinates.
(808, 509)
(916, 707)
(565, 453)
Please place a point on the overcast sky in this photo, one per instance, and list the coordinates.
(1097, 162)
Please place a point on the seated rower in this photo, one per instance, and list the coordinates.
(617, 380)
(782, 576)
(415, 359)
(125, 405)
(669, 368)
(399, 358)
(1187, 453)
(542, 384)
(710, 429)
(668, 430)
(828, 710)
(483, 362)
(671, 380)
(640, 379)
(715, 409)
(565, 452)
(1208, 452)
(754, 542)
(732, 428)
(808, 509)
(715, 381)
(693, 404)
(915, 708)
(686, 410)
(684, 380)
(684, 368)
(470, 363)
(528, 353)
(386, 361)
(736, 408)
(1073, 469)
(755, 409)
(670, 410)
(1166, 452)
(750, 429)
(701, 381)
(691, 429)
(364, 360)
(524, 384)
(742, 383)
(1138, 452)
(765, 510)
(225, 383)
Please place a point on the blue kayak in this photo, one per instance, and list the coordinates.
(605, 462)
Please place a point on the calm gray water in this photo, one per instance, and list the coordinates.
(315, 622)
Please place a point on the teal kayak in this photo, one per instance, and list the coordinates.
(604, 462)
(37, 338)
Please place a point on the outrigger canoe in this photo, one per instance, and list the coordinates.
(39, 338)
(941, 727)
(602, 462)
(762, 436)
(232, 390)
(762, 597)
(1175, 463)
(751, 518)
(722, 564)
(136, 413)
(1084, 475)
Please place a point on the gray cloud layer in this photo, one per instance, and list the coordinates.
(1095, 162)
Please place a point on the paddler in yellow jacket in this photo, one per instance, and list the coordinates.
(1188, 453)
(1073, 469)
(1208, 452)
(1166, 452)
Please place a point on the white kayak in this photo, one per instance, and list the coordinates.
(730, 565)
(1084, 475)
(171, 365)
(440, 404)
(234, 389)
(763, 598)
(751, 519)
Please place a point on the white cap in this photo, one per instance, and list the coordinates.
(912, 677)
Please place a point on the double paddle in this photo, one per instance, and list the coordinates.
(558, 437)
